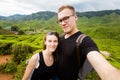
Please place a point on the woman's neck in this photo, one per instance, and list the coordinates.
(46, 52)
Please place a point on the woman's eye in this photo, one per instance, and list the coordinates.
(55, 41)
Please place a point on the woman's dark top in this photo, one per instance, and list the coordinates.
(67, 64)
(43, 72)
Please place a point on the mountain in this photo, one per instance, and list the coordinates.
(16, 17)
(98, 13)
(3, 18)
(45, 15)
(13, 17)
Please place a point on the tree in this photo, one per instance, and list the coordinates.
(14, 28)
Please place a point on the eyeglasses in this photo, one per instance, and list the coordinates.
(65, 19)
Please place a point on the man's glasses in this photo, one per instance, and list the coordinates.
(65, 19)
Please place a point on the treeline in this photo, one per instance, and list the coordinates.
(98, 13)
(45, 15)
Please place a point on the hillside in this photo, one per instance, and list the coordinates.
(98, 13)
(46, 20)
(45, 15)
(7, 32)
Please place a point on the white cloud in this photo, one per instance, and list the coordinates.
(10, 7)
(94, 5)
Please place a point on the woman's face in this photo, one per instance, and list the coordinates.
(51, 43)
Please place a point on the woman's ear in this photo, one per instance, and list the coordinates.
(45, 42)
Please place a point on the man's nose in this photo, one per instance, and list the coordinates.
(63, 22)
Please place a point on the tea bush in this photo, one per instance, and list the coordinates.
(5, 48)
(10, 67)
(20, 52)
(20, 70)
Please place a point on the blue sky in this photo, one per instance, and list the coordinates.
(11, 7)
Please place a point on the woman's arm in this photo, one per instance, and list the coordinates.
(30, 67)
(104, 69)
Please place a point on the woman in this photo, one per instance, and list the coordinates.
(43, 62)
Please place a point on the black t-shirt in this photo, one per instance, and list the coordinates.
(43, 72)
(67, 65)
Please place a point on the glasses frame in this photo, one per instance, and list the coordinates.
(65, 19)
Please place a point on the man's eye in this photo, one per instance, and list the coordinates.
(60, 20)
(65, 18)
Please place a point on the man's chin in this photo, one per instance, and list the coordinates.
(66, 32)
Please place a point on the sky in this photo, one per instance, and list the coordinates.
(26, 7)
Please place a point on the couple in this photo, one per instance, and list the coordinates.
(66, 61)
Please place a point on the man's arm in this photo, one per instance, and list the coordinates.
(104, 69)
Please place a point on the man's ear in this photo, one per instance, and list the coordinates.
(76, 17)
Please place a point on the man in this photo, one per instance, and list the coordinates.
(67, 66)
(67, 61)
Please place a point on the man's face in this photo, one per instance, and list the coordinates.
(67, 20)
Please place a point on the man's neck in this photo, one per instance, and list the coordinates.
(69, 34)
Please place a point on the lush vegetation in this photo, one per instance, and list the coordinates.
(104, 29)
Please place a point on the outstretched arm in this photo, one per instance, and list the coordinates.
(104, 69)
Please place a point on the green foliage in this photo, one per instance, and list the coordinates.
(20, 70)
(90, 76)
(2, 31)
(6, 24)
(14, 28)
(0, 27)
(113, 47)
(5, 47)
(2, 67)
(21, 32)
(20, 52)
(11, 67)
(103, 32)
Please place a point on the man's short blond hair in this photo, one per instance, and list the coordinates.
(68, 7)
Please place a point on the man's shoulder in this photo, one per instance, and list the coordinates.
(62, 35)
(80, 38)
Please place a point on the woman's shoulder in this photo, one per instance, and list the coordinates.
(33, 59)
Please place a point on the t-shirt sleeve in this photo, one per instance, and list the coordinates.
(88, 45)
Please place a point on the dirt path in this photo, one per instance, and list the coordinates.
(6, 77)
(5, 59)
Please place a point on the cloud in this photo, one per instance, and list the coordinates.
(10, 7)
(93, 5)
